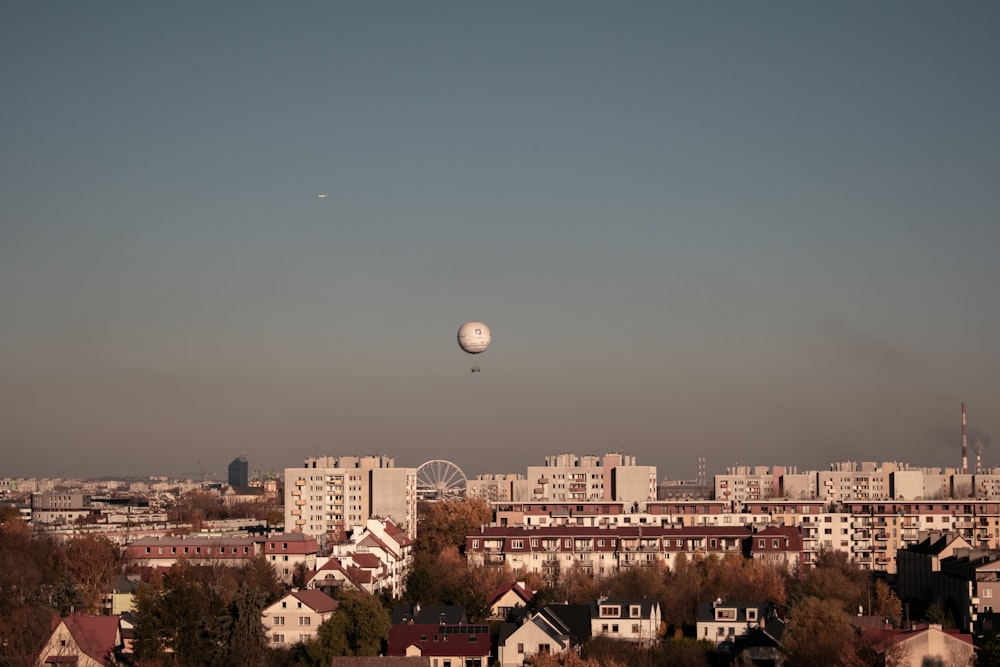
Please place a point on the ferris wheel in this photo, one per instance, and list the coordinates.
(438, 480)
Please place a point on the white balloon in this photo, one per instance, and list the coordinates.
(474, 337)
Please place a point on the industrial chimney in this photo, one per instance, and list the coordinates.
(965, 445)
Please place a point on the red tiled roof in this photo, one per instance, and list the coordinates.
(440, 640)
(318, 601)
(97, 636)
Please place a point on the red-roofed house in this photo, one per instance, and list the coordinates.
(460, 645)
(781, 545)
(390, 545)
(335, 574)
(503, 599)
(295, 617)
(926, 645)
(285, 550)
(83, 641)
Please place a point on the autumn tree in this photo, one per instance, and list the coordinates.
(448, 522)
(835, 578)
(819, 632)
(886, 602)
(93, 562)
(357, 628)
(683, 589)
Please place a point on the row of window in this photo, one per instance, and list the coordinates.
(197, 550)
(303, 620)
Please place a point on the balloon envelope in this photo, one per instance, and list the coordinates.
(474, 337)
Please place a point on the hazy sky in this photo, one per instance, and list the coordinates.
(759, 232)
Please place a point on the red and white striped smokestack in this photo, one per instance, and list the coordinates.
(965, 446)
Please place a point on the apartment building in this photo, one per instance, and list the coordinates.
(573, 478)
(329, 496)
(605, 551)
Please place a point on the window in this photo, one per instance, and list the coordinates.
(751, 614)
(614, 628)
(608, 610)
(520, 648)
(723, 614)
(278, 639)
(279, 620)
(517, 544)
(305, 620)
(635, 611)
(760, 543)
(774, 544)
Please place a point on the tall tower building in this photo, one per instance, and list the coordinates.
(239, 472)
(331, 495)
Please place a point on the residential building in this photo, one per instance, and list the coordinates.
(83, 641)
(637, 621)
(555, 628)
(723, 621)
(286, 551)
(613, 476)
(505, 599)
(162, 552)
(296, 617)
(447, 645)
(330, 496)
(924, 645)
(597, 551)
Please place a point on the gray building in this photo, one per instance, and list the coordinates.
(239, 472)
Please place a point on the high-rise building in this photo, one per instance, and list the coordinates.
(239, 472)
(331, 495)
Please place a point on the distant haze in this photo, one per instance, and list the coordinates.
(762, 233)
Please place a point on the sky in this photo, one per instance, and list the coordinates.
(761, 233)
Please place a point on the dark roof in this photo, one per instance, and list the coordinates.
(440, 640)
(380, 661)
(433, 614)
(575, 618)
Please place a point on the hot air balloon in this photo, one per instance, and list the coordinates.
(474, 338)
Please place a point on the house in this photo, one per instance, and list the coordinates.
(446, 645)
(334, 574)
(121, 597)
(379, 661)
(553, 629)
(505, 598)
(722, 621)
(296, 617)
(779, 545)
(432, 614)
(284, 551)
(83, 641)
(759, 646)
(388, 555)
(926, 645)
(628, 620)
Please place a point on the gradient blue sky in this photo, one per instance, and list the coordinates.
(763, 233)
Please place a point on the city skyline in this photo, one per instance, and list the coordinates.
(763, 234)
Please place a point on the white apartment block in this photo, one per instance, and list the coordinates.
(569, 477)
(331, 496)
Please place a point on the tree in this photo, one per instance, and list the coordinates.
(886, 603)
(819, 632)
(449, 522)
(247, 638)
(357, 628)
(93, 562)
